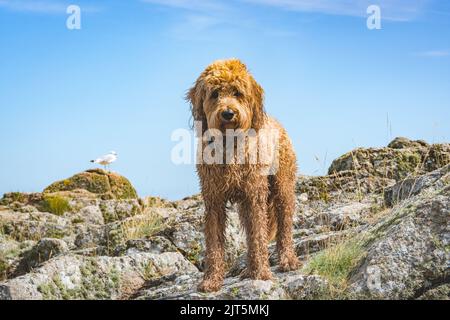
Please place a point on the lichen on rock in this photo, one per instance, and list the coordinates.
(106, 185)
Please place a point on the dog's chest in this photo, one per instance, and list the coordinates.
(232, 179)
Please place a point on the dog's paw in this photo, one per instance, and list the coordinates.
(264, 274)
(289, 262)
(209, 285)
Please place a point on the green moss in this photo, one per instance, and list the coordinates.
(17, 197)
(114, 237)
(56, 232)
(194, 253)
(121, 188)
(407, 164)
(94, 285)
(77, 220)
(56, 204)
(157, 202)
(107, 185)
(150, 272)
(235, 291)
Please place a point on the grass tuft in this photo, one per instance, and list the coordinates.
(56, 204)
(335, 264)
(142, 226)
(3, 268)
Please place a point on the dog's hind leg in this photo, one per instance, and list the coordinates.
(284, 203)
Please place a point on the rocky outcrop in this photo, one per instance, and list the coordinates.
(376, 227)
(408, 251)
(99, 182)
(402, 158)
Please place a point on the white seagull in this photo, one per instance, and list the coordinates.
(106, 160)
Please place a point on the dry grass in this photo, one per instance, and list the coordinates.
(143, 226)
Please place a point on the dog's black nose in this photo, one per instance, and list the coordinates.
(228, 115)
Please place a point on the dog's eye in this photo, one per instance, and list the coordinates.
(238, 94)
(215, 94)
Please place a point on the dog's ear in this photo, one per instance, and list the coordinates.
(257, 101)
(195, 97)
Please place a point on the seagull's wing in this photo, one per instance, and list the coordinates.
(109, 158)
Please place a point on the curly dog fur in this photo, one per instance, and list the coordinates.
(266, 202)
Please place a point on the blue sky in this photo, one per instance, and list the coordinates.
(67, 96)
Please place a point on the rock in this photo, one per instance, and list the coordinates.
(155, 245)
(89, 236)
(10, 252)
(79, 277)
(157, 202)
(91, 214)
(307, 245)
(186, 233)
(441, 292)
(5, 294)
(114, 210)
(22, 199)
(104, 184)
(408, 249)
(340, 185)
(402, 159)
(403, 143)
(304, 287)
(291, 285)
(35, 225)
(413, 186)
(337, 216)
(44, 250)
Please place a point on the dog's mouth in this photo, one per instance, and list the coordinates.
(228, 124)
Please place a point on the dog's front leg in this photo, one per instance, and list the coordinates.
(215, 222)
(254, 214)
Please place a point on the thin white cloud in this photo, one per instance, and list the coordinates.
(434, 53)
(400, 10)
(193, 5)
(33, 6)
(44, 6)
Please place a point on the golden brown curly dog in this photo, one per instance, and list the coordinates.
(224, 97)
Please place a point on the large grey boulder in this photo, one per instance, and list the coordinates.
(79, 277)
(408, 252)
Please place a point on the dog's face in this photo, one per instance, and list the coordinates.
(226, 96)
